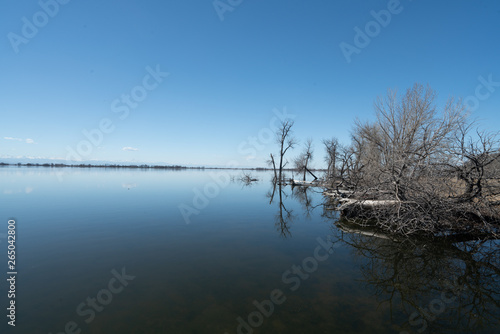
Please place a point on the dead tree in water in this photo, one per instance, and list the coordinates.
(286, 141)
(332, 153)
(302, 161)
(247, 179)
(271, 162)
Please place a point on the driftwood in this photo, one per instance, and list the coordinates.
(306, 183)
(349, 202)
(396, 217)
(338, 193)
(307, 169)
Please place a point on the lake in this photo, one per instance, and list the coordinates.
(192, 251)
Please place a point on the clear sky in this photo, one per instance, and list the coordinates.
(101, 66)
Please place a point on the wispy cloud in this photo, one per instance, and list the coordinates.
(128, 148)
(27, 140)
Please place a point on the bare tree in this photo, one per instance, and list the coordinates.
(473, 171)
(406, 137)
(475, 161)
(286, 141)
(302, 161)
(332, 154)
(425, 165)
(348, 169)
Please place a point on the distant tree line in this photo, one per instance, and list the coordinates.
(143, 166)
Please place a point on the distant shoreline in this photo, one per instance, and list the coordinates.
(143, 166)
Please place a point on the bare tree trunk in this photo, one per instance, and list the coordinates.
(284, 139)
(331, 146)
(274, 167)
(302, 161)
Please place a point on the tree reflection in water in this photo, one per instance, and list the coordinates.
(442, 285)
(285, 216)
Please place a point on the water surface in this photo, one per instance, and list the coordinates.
(217, 270)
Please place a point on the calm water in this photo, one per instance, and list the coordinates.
(110, 251)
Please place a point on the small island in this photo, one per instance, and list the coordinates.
(414, 171)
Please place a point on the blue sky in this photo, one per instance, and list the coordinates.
(228, 69)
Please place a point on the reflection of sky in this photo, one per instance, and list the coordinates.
(122, 198)
(71, 234)
(26, 190)
(99, 204)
